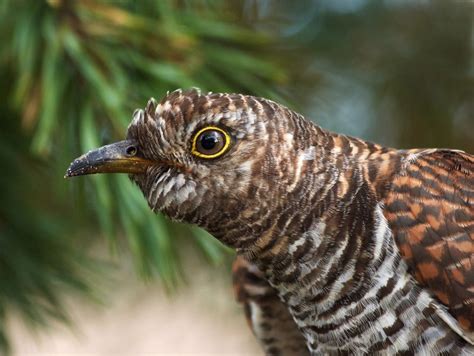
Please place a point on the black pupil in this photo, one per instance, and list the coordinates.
(209, 140)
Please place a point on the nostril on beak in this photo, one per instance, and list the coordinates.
(131, 151)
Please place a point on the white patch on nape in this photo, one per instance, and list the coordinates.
(309, 154)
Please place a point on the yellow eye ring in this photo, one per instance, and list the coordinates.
(210, 142)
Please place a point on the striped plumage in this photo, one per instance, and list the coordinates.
(266, 315)
(369, 249)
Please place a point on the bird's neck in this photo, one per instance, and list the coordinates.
(317, 181)
(332, 193)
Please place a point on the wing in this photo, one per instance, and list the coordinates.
(430, 208)
(266, 315)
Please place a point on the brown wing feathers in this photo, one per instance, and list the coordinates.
(431, 211)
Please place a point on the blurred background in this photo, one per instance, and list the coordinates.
(85, 267)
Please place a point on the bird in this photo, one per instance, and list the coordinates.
(343, 246)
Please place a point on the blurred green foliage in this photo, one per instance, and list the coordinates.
(72, 72)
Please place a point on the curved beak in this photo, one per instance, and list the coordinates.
(119, 157)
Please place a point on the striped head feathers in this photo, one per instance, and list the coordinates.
(216, 157)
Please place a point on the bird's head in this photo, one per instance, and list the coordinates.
(221, 161)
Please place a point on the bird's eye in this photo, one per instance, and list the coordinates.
(210, 142)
